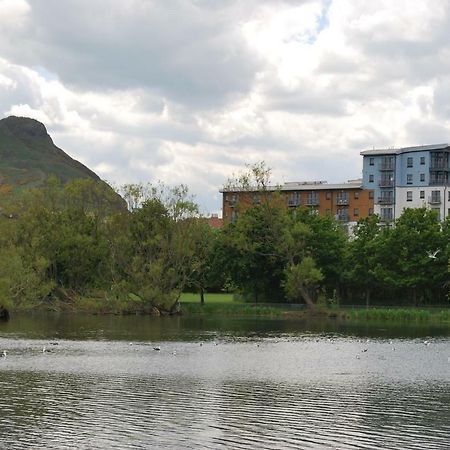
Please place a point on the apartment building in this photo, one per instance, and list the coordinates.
(347, 202)
(408, 177)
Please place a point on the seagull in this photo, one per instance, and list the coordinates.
(432, 255)
(45, 350)
(3, 355)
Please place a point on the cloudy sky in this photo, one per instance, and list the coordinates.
(189, 91)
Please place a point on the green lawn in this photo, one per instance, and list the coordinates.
(210, 298)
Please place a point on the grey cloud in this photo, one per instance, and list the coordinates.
(181, 50)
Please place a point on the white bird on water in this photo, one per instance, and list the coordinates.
(3, 355)
(432, 255)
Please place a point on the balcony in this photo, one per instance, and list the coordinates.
(342, 201)
(434, 200)
(439, 166)
(438, 180)
(312, 201)
(387, 166)
(386, 183)
(342, 217)
(293, 202)
(386, 200)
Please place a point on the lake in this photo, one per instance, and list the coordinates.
(134, 382)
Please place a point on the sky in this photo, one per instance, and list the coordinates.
(192, 91)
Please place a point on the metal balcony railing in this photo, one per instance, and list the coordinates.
(312, 201)
(434, 199)
(387, 166)
(386, 200)
(386, 183)
(342, 201)
(439, 165)
(294, 202)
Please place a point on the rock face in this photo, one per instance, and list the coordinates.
(4, 314)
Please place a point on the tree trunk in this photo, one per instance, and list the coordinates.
(4, 314)
(202, 296)
(307, 297)
(367, 298)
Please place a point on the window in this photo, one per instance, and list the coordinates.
(435, 197)
(409, 161)
(422, 160)
(371, 178)
(386, 214)
(370, 211)
(422, 194)
(409, 178)
(409, 196)
(371, 161)
(328, 196)
(449, 196)
(356, 194)
(371, 194)
(422, 177)
(356, 212)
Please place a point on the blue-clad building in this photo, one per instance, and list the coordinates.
(408, 177)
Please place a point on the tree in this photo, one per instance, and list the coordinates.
(403, 259)
(301, 279)
(361, 255)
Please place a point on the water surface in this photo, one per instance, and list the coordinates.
(222, 383)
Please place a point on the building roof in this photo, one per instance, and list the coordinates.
(398, 151)
(301, 186)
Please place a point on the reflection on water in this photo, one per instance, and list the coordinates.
(225, 384)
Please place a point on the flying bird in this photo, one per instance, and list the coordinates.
(432, 255)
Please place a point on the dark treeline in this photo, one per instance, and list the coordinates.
(68, 245)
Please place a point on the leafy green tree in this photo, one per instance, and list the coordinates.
(405, 254)
(361, 256)
(301, 279)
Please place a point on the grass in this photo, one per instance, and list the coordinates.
(210, 298)
(399, 314)
(230, 309)
(225, 305)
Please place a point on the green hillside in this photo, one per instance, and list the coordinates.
(28, 157)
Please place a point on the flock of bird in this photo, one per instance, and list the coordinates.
(157, 348)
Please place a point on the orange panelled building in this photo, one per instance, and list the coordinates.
(347, 202)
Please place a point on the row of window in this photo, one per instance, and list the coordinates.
(343, 213)
(390, 161)
(435, 196)
(390, 180)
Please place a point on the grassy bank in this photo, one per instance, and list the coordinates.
(398, 314)
(224, 304)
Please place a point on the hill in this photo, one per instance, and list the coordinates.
(28, 157)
